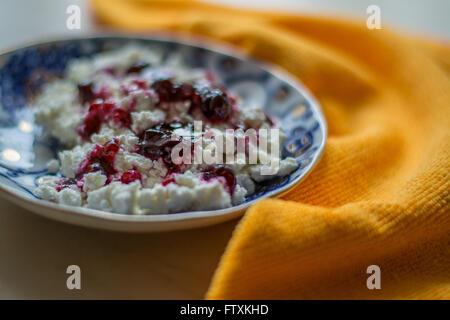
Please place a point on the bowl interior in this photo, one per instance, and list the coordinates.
(23, 157)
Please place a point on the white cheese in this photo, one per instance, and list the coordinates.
(70, 197)
(155, 191)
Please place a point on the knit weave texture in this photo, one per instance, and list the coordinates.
(380, 194)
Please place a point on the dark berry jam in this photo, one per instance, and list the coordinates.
(130, 176)
(187, 92)
(215, 105)
(87, 94)
(138, 67)
(165, 90)
(104, 93)
(100, 112)
(136, 84)
(101, 158)
(85, 91)
(168, 181)
(157, 143)
(121, 117)
(183, 91)
(221, 171)
(140, 83)
(65, 183)
(113, 72)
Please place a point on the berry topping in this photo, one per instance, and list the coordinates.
(214, 103)
(91, 123)
(165, 90)
(216, 106)
(140, 83)
(172, 126)
(85, 91)
(104, 93)
(65, 183)
(130, 176)
(168, 92)
(138, 67)
(168, 181)
(185, 91)
(121, 117)
(157, 142)
(99, 112)
(101, 158)
(221, 171)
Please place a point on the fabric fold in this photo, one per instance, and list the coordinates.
(381, 193)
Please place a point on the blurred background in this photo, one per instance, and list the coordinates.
(30, 20)
(36, 251)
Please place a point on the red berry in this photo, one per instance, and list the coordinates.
(184, 91)
(221, 171)
(101, 158)
(65, 183)
(164, 89)
(85, 91)
(121, 117)
(216, 106)
(130, 176)
(168, 181)
(138, 67)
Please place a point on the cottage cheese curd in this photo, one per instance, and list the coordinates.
(116, 114)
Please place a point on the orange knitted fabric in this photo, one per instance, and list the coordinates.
(381, 193)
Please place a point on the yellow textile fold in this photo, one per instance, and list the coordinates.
(381, 193)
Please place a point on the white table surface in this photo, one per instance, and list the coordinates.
(35, 252)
